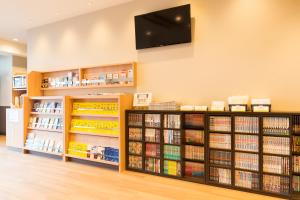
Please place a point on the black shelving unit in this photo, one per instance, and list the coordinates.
(259, 176)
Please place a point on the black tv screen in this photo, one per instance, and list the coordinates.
(165, 27)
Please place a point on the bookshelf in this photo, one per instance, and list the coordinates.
(253, 152)
(44, 125)
(95, 128)
(91, 77)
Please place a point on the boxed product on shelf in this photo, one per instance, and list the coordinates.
(194, 120)
(194, 152)
(276, 145)
(135, 148)
(246, 142)
(221, 141)
(152, 165)
(276, 125)
(135, 134)
(96, 108)
(172, 121)
(135, 162)
(172, 137)
(193, 169)
(172, 152)
(247, 161)
(135, 119)
(276, 164)
(220, 123)
(220, 157)
(172, 168)
(152, 120)
(248, 180)
(246, 124)
(194, 136)
(69, 79)
(220, 175)
(109, 127)
(152, 135)
(276, 184)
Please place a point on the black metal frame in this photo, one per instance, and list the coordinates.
(206, 162)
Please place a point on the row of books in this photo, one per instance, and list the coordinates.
(152, 120)
(135, 119)
(296, 183)
(50, 123)
(276, 145)
(100, 108)
(296, 124)
(135, 162)
(194, 120)
(49, 107)
(42, 142)
(296, 164)
(135, 134)
(152, 135)
(172, 137)
(153, 150)
(194, 152)
(246, 124)
(194, 136)
(172, 121)
(276, 125)
(220, 157)
(296, 143)
(152, 165)
(245, 179)
(93, 152)
(220, 175)
(219, 123)
(172, 152)
(276, 184)
(247, 161)
(276, 164)
(194, 169)
(135, 148)
(172, 168)
(221, 141)
(109, 127)
(246, 142)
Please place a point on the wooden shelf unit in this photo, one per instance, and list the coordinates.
(82, 74)
(105, 140)
(56, 135)
(257, 173)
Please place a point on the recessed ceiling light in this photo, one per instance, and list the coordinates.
(16, 39)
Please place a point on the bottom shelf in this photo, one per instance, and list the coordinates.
(93, 160)
(41, 151)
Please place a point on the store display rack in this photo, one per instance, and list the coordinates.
(247, 151)
(87, 127)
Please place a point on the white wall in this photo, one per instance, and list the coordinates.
(5, 80)
(239, 47)
(13, 48)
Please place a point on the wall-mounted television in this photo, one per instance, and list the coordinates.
(164, 27)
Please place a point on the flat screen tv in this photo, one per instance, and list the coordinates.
(165, 27)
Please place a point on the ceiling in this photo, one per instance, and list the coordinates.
(17, 16)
